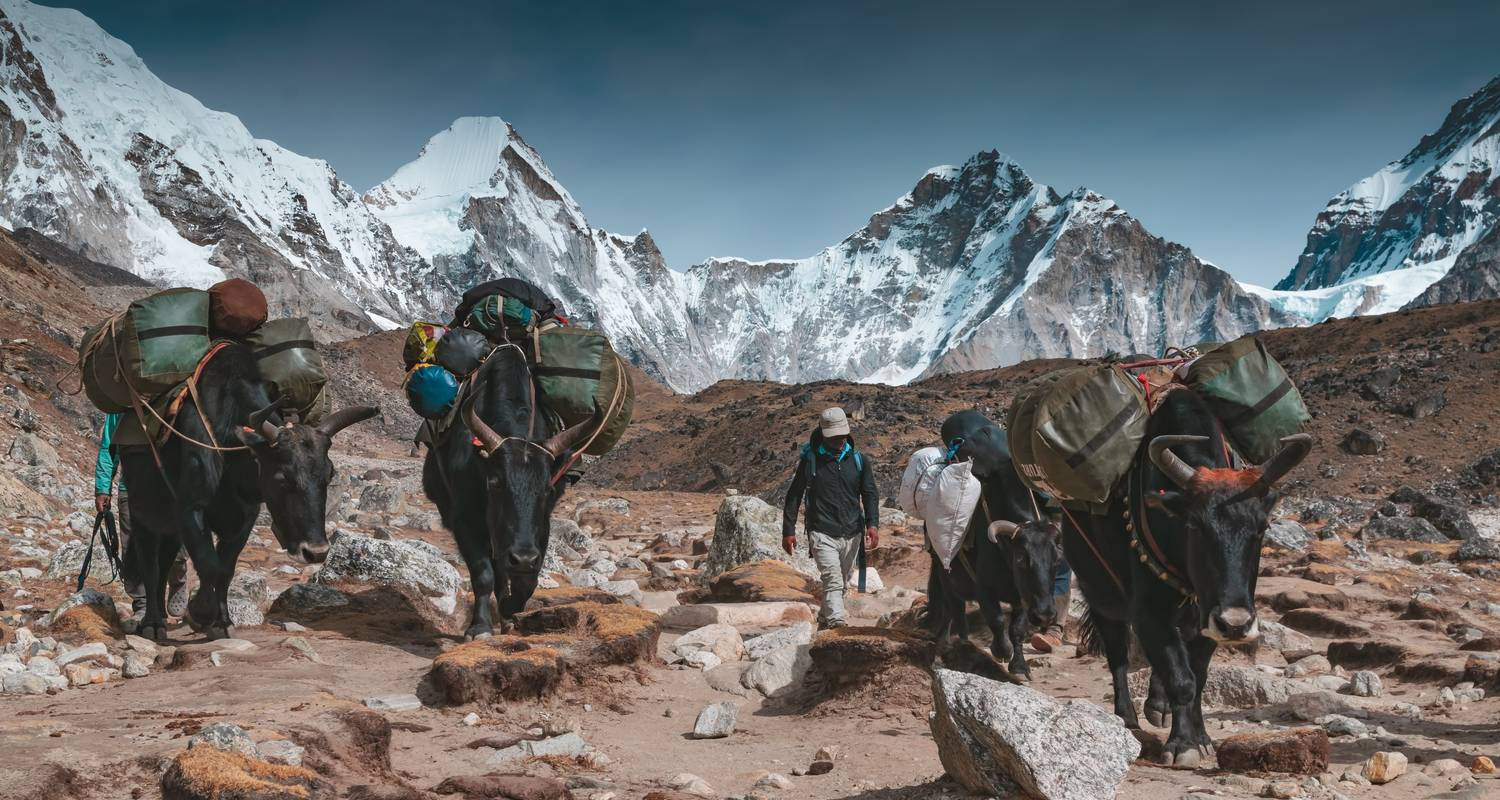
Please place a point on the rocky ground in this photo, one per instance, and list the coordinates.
(656, 665)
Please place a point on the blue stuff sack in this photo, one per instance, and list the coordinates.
(431, 390)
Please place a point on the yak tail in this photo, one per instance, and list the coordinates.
(1089, 641)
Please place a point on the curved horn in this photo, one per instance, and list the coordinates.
(1168, 462)
(570, 438)
(260, 421)
(345, 417)
(489, 441)
(1294, 448)
(1001, 527)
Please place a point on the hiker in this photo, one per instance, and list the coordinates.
(1062, 587)
(842, 509)
(104, 485)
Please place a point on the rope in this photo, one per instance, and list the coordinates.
(1119, 584)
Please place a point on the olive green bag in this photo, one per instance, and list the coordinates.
(576, 370)
(288, 356)
(145, 350)
(1074, 433)
(1251, 394)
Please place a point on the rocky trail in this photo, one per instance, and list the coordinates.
(1375, 676)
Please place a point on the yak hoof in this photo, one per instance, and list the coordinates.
(477, 636)
(1189, 758)
(154, 631)
(1156, 717)
(217, 631)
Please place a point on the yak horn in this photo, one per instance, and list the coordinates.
(570, 438)
(260, 421)
(489, 441)
(1168, 462)
(1001, 527)
(1294, 448)
(345, 417)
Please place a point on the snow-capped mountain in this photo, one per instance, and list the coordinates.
(100, 154)
(1384, 241)
(977, 266)
(479, 202)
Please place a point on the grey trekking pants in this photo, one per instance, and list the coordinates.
(835, 557)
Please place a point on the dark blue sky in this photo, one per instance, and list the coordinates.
(773, 129)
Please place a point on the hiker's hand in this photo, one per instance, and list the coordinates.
(872, 538)
(789, 544)
(101, 503)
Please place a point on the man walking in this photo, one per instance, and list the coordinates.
(842, 509)
(105, 485)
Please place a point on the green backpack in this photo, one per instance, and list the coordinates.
(1251, 394)
(288, 356)
(576, 370)
(1074, 433)
(146, 350)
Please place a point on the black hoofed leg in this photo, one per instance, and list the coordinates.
(474, 545)
(1169, 661)
(1115, 636)
(1200, 653)
(1017, 636)
(1157, 705)
(231, 521)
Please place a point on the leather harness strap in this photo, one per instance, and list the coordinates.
(1103, 562)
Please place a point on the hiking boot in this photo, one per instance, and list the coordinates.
(1047, 641)
(830, 624)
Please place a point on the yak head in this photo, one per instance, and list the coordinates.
(1223, 514)
(1032, 550)
(523, 485)
(294, 471)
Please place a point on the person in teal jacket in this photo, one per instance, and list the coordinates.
(105, 484)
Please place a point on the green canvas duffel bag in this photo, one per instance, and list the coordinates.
(145, 350)
(1251, 394)
(288, 356)
(576, 370)
(1074, 433)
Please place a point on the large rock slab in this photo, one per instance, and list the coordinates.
(390, 562)
(748, 529)
(1000, 739)
(722, 640)
(763, 581)
(779, 672)
(739, 615)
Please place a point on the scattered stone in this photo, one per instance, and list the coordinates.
(1309, 665)
(471, 719)
(1309, 706)
(498, 787)
(1362, 442)
(999, 739)
(1286, 534)
(1414, 529)
(1444, 766)
(1299, 751)
(281, 751)
(1384, 767)
(567, 745)
(1364, 683)
(716, 721)
(86, 652)
(1478, 549)
(137, 665)
(224, 736)
(145, 647)
(823, 760)
(722, 640)
(67, 562)
(778, 672)
(704, 660)
(23, 683)
(1340, 725)
(688, 783)
(774, 781)
(393, 702)
(1482, 766)
(766, 643)
(1450, 518)
(1282, 789)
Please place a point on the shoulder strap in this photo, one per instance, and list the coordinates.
(812, 460)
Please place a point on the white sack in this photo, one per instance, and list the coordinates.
(916, 468)
(949, 506)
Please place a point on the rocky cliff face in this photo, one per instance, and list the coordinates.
(99, 154)
(1418, 215)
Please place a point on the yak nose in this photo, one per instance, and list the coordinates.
(1234, 624)
(527, 560)
(313, 553)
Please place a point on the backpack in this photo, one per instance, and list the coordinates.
(809, 453)
(1074, 433)
(145, 350)
(1251, 394)
(421, 343)
(288, 356)
(430, 390)
(539, 305)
